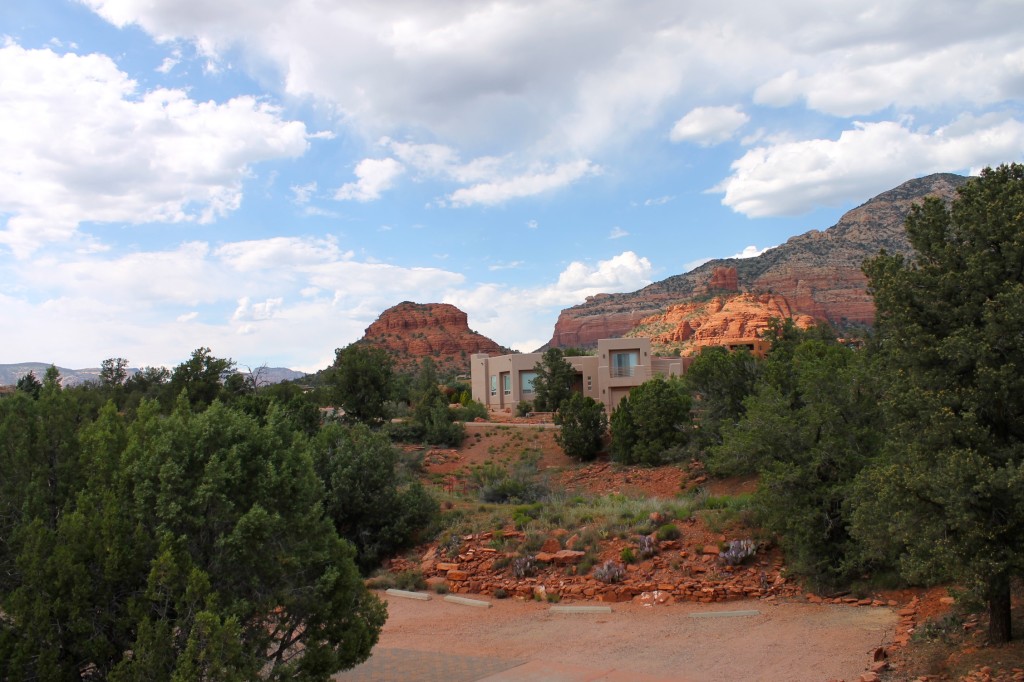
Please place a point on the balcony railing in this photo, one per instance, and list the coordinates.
(623, 371)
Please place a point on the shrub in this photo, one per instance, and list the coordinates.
(669, 532)
(738, 552)
(583, 423)
(652, 425)
(524, 567)
(470, 411)
(627, 556)
(410, 580)
(646, 547)
(523, 408)
(610, 572)
(501, 593)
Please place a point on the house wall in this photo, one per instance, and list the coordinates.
(618, 366)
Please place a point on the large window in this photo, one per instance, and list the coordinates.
(623, 363)
(494, 384)
(526, 381)
(506, 383)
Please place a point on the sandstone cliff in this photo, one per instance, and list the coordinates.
(685, 328)
(410, 332)
(818, 273)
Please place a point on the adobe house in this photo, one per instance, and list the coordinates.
(618, 365)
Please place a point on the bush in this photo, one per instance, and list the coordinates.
(627, 556)
(523, 408)
(583, 423)
(610, 572)
(470, 411)
(738, 552)
(653, 424)
(524, 567)
(669, 532)
(646, 547)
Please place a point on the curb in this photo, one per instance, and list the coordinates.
(405, 594)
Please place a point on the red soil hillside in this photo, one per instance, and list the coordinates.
(410, 332)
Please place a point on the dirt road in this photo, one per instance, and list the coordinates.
(785, 641)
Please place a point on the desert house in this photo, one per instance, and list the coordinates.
(618, 365)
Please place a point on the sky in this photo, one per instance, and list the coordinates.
(265, 177)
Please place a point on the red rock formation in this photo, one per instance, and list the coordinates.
(724, 279)
(722, 321)
(410, 332)
(818, 272)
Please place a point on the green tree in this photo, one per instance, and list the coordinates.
(29, 384)
(364, 497)
(653, 424)
(197, 542)
(948, 493)
(113, 372)
(201, 377)
(583, 424)
(554, 380)
(719, 381)
(808, 447)
(362, 381)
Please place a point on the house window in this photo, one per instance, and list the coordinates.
(494, 384)
(623, 363)
(526, 381)
(506, 384)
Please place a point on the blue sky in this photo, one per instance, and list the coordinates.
(265, 177)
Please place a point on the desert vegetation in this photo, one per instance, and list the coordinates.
(193, 523)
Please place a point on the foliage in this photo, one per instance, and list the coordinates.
(652, 424)
(646, 547)
(200, 377)
(669, 531)
(583, 423)
(471, 410)
(554, 380)
(361, 381)
(363, 497)
(195, 541)
(808, 438)
(29, 384)
(610, 572)
(947, 495)
(738, 552)
(719, 381)
(524, 567)
(514, 484)
(523, 408)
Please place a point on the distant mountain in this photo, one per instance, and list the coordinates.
(9, 374)
(818, 273)
(410, 332)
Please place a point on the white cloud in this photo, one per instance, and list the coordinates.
(793, 177)
(532, 224)
(512, 265)
(81, 143)
(708, 126)
(303, 193)
(375, 176)
(528, 184)
(659, 201)
(750, 252)
(617, 233)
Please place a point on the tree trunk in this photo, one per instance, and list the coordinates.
(999, 609)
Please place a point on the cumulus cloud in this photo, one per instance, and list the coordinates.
(708, 126)
(82, 143)
(793, 177)
(374, 177)
(750, 252)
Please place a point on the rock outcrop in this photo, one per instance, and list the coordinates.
(410, 332)
(818, 273)
(685, 328)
